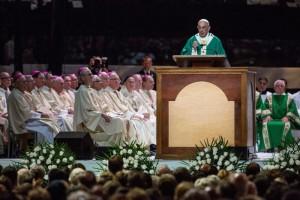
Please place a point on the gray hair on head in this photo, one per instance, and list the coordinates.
(279, 82)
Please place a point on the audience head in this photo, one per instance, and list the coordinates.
(167, 184)
(115, 164)
(252, 169)
(137, 194)
(196, 194)
(181, 189)
(88, 179)
(11, 173)
(58, 190)
(24, 176)
(75, 174)
(39, 194)
(182, 174)
(57, 174)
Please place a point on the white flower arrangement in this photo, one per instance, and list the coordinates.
(215, 153)
(136, 156)
(50, 156)
(286, 159)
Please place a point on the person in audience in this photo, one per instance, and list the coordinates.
(148, 69)
(87, 115)
(262, 87)
(23, 119)
(280, 116)
(204, 43)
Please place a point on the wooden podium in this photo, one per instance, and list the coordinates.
(194, 104)
(199, 61)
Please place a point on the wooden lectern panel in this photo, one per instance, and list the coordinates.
(237, 87)
(199, 60)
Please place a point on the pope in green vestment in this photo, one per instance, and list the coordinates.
(204, 42)
(280, 116)
(210, 45)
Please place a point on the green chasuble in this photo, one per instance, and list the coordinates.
(259, 107)
(275, 133)
(211, 45)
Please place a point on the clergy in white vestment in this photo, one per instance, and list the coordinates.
(136, 101)
(87, 115)
(46, 100)
(4, 89)
(3, 128)
(22, 119)
(141, 128)
(68, 88)
(148, 94)
(39, 99)
(65, 105)
(74, 83)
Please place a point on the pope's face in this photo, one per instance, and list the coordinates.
(203, 28)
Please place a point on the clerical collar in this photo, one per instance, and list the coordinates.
(279, 94)
(264, 92)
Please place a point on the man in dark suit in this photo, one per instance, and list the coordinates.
(147, 69)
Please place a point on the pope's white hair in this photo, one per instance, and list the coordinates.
(203, 20)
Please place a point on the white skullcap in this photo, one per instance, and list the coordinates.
(204, 20)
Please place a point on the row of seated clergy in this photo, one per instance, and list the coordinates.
(107, 115)
(279, 115)
(53, 100)
(22, 118)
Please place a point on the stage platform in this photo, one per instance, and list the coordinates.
(91, 164)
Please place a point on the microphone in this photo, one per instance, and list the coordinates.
(195, 45)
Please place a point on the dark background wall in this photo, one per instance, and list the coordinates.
(125, 30)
